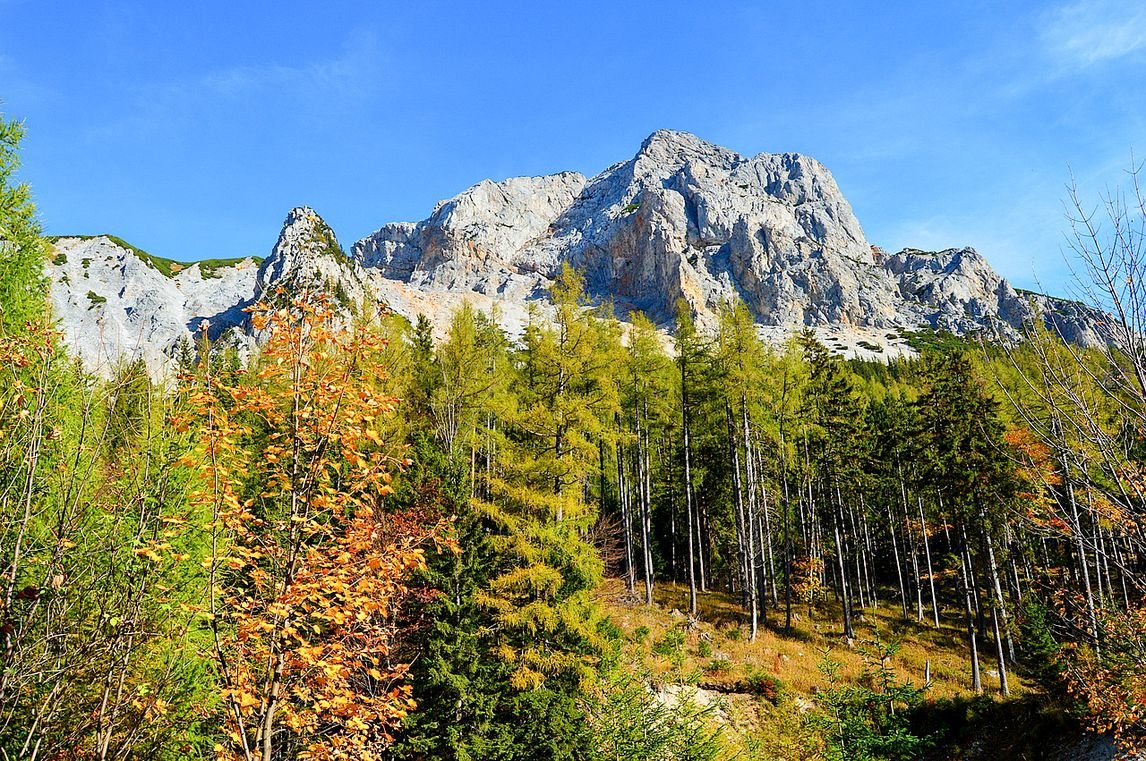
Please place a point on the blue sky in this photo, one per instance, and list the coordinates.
(190, 129)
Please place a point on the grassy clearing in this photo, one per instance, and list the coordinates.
(766, 688)
(716, 651)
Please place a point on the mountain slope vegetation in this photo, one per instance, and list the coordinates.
(362, 542)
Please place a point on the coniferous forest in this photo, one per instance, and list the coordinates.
(601, 540)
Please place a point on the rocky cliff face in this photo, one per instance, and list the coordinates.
(111, 303)
(685, 219)
(682, 219)
(307, 256)
(116, 303)
(479, 240)
(956, 290)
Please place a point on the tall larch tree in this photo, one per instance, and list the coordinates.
(562, 404)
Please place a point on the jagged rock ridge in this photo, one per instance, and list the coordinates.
(682, 219)
(113, 303)
(687, 219)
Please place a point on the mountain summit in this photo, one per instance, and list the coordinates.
(682, 219)
(685, 219)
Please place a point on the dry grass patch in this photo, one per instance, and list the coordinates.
(714, 651)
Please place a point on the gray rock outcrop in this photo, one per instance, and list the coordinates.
(308, 257)
(482, 239)
(682, 219)
(685, 219)
(115, 303)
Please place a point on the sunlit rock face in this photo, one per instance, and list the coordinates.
(685, 219)
(115, 304)
(681, 220)
(307, 256)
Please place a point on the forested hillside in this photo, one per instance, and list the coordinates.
(365, 544)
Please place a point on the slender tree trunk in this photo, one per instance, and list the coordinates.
(898, 564)
(1000, 614)
(765, 574)
(1119, 562)
(491, 453)
(845, 597)
(997, 610)
(1012, 564)
(930, 571)
(1004, 686)
(1100, 544)
(738, 499)
(980, 610)
(646, 508)
(858, 555)
(765, 528)
(1101, 566)
(753, 587)
(748, 554)
(1083, 566)
(702, 556)
(965, 568)
(667, 458)
(473, 468)
(805, 521)
(750, 524)
(692, 608)
(787, 517)
(602, 479)
(869, 556)
(624, 497)
(767, 561)
(914, 553)
(559, 433)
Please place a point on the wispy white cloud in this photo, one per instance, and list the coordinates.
(307, 90)
(1093, 31)
(353, 73)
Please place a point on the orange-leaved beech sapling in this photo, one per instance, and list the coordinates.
(307, 565)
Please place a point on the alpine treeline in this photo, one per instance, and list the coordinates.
(373, 542)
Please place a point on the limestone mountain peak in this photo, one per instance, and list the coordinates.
(681, 219)
(307, 255)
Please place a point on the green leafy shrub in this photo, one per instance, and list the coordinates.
(629, 723)
(869, 719)
(671, 644)
(209, 268)
(1039, 652)
(610, 632)
(763, 685)
(718, 666)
